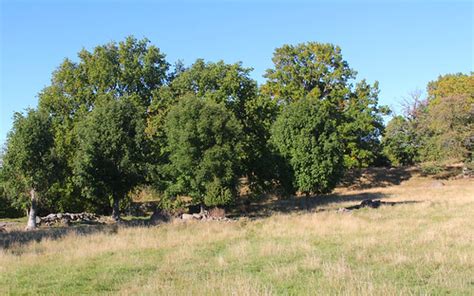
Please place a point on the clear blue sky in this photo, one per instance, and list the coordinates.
(403, 45)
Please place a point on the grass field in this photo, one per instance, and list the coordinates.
(422, 247)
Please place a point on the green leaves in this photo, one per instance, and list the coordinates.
(319, 71)
(439, 129)
(109, 159)
(118, 117)
(312, 68)
(306, 135)
(400, 142)
(204, 147)
(29, 161)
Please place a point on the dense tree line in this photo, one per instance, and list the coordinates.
(122, 116)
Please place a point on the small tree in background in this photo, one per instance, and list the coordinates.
(400, 142)
(204, 145)
(306, 135)
(110, 156)
(447, 125)
(28, 164)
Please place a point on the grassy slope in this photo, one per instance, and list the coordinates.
(417, 248)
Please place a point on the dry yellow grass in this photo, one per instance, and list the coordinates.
(415, 248)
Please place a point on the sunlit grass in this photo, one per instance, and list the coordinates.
(417, 248)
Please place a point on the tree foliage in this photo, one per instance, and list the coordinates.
(231, 86)
(110, 155)
(29, 159)
(315, 69)
(204, 145)
(447, 124)
(119, 116)
(400, 142)
(29, 162)
(131, 68)
(318, 70)
(306, 134)
(436, 129)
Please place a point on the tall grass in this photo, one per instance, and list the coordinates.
(417, 248)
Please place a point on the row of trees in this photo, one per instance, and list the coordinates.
(122, 116)
(437, 129)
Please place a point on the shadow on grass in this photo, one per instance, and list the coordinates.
(315, 203)
(19, 237)
(375, 177)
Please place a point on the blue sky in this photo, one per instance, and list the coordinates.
(401, 44)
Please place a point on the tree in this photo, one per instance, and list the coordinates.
(315, 69)
(319, 71)
(231, 86)
(448, 121)
(131, 68)
(109, 160)
(400, 142)
(204, 145)
(362, 126)
(446, 128)
(306, 134)
(438, 128)
(452, 85)
(29, 161)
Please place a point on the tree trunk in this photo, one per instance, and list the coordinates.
(116, 209)
(33, 209)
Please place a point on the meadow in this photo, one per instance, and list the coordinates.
(422, 245)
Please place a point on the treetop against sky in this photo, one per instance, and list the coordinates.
(403, 45)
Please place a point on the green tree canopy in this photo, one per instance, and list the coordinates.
(29, 162)
(230, 85)
(315, 69)
(204, 145)
(450, 85)
(318, 70)
(131, 68)
(109, 160)
(400, 142)
(362, 126)
(306, 134)
(446, 124)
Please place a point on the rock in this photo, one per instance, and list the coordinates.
(342, 210)
(197, 216)
(370, 203)
(187, 216)
(59, 216)
(50, 217)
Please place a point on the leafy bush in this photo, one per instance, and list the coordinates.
(306, 135)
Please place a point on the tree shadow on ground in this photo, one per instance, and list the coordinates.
(375, 177)
(19, 237)
(318, 203)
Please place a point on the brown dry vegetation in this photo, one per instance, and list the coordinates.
(299, 246)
